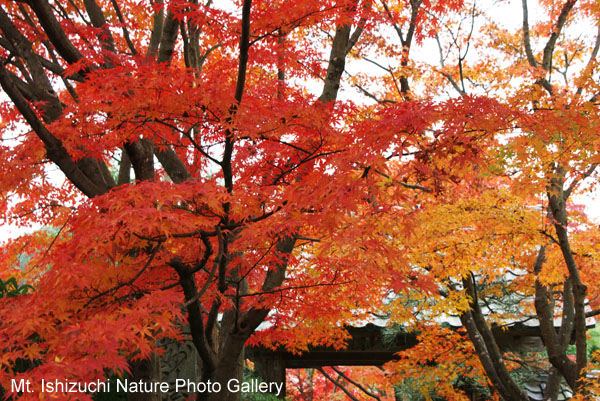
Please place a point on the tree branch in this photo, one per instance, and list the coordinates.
(167, 37)
(527, 36)
(54, 148)
(549, 48)
(130, 44)
(54, 31)
(364, 390)
(349, 394)
(244, 47)
(511, 391)
(337, 63)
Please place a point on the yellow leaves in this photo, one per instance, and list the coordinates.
(474, 234)
(554, 270)
(440, 357)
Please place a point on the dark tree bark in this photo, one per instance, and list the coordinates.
(222, 359)
(574, 291)
(90, 176)
(220, 344)
(486, 347)
(573, 294)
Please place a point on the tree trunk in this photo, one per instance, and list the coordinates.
(487, 349)
(148, 371)
(272, 370)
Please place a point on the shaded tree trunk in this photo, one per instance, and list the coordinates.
(148, 371)
(487, 348)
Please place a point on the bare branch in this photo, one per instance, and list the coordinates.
(592, 313)
(54, 148)
(124, 169)
(244, 47)
(124, 28)
(99, 21)
(157, 30)
(577, 180)
(173, 165)
(404, 184)
(195, 318)
(549, 48)
(359, 29)
(337, 63)
(392, 20)
(54, 31)
(527, 36)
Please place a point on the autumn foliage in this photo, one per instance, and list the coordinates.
(266, 172)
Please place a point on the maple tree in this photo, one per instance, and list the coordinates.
(238, 182)
(518, 215)
(511, 215)
(254, 202)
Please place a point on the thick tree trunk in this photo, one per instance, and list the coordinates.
(574, 293)
(223, 363)
(272, 370)
(487, 349)
(229, 371)
(552, 385)
(148, 371)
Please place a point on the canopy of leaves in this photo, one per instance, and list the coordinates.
(259, 181)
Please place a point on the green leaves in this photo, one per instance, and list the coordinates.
(11, 288)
